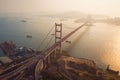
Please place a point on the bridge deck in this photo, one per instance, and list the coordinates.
(41, 60)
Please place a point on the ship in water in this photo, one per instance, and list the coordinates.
(24, 21)
(68, 42)
(28, 36)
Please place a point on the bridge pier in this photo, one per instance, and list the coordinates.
(48, 60)
(39, 68)
(58, 35)
(55, 53)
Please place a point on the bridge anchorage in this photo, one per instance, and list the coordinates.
(40, 61)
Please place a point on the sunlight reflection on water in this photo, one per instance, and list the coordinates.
(100, 42)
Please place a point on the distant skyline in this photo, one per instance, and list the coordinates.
(104, 7)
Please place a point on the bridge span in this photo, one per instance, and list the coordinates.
(41, 60)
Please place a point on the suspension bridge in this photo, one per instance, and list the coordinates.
(39, 61)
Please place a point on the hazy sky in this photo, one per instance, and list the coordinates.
(108, 7)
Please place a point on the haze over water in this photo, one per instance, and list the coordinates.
(100, 42)
(104, 7)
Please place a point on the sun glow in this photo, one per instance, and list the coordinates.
(113, 57)
(109, 7)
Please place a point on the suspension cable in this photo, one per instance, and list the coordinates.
(49, 42)
(45, 38)
(51, 37)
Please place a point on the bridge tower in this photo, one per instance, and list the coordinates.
(58, 36)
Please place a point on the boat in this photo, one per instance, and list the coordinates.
(68, 42)
(29, 36)
(23, 21)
